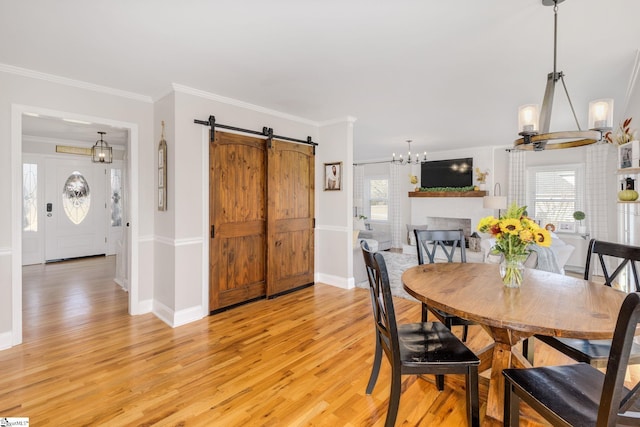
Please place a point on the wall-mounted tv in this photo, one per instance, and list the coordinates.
(447, 173)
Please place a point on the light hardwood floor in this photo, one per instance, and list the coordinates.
(302, 359)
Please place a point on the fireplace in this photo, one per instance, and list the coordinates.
(442, 223)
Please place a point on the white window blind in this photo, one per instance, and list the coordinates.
(378, 198)
(554, 193)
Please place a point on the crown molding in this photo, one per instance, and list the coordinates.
(230, 101)
(24, 72)
(347, 119)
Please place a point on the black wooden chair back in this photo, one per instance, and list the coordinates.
(596, 352)
(384, 315)
(603, 251)
(428, 242)
(578, 394)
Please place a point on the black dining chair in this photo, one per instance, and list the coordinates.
(415, 348)
(427, 243)
(579, 394)
(596, 352)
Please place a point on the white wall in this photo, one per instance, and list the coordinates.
(334, 209)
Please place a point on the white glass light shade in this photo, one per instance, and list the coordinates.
(528, 118)
(601, 114)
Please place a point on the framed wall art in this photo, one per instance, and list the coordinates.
(629, 154)
(162, 172)
(333, 176)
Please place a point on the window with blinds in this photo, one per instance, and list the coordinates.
(378, 198)
(554, 193)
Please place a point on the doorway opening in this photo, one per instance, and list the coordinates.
(130, 219)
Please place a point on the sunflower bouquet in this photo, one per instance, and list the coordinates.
(514, 233)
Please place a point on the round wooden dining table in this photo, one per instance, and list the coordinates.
(546, 303)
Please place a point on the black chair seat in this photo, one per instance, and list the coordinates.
(434, 344)
(576, 400)
(594, 352)
(579, 394)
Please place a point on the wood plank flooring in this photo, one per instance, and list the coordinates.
(302, 359)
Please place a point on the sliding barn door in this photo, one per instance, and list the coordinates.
(238, 215)
(290, 234)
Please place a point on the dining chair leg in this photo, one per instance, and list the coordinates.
(440, 382)
(473, 400)
(465, 332)
(375, 369)
(394, 398)
(425, 312)
(511, 413)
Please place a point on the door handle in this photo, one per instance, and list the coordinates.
(49, 207)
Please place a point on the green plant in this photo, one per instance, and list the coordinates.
(362, 217)
(579, 215)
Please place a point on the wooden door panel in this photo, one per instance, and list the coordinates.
(238, 217)
(290, 217)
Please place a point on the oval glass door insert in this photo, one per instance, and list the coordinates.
(76, 197)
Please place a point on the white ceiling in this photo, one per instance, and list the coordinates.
(447, 74)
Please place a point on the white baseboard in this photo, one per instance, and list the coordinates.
(6, 340)
(338, 282)
(176, 318)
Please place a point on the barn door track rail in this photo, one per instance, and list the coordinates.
(266, 132)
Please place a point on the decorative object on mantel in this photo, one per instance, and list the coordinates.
(538, 138)
(101, 152)
(447, 192)
(162, 172)
(628, 192)
(514, 233)
(481, 177)
(414, 180)
(408, 160)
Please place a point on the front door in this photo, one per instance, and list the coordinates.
(75, 209)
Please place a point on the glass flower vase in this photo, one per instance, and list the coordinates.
(512, 270)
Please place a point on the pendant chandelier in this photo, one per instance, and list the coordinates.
(534, 125)
(409, 159)
(101, 152)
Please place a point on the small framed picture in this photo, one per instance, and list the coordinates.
(628, 154)
(333, 176)
(566, 227)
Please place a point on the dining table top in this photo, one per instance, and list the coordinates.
(546, 303)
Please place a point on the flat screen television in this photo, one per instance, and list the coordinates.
(447, 173)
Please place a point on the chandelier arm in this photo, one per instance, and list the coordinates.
(575, 117)
(555, 35)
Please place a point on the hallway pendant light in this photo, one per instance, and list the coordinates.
(408, 160)
(539, 138)
(101, 152)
